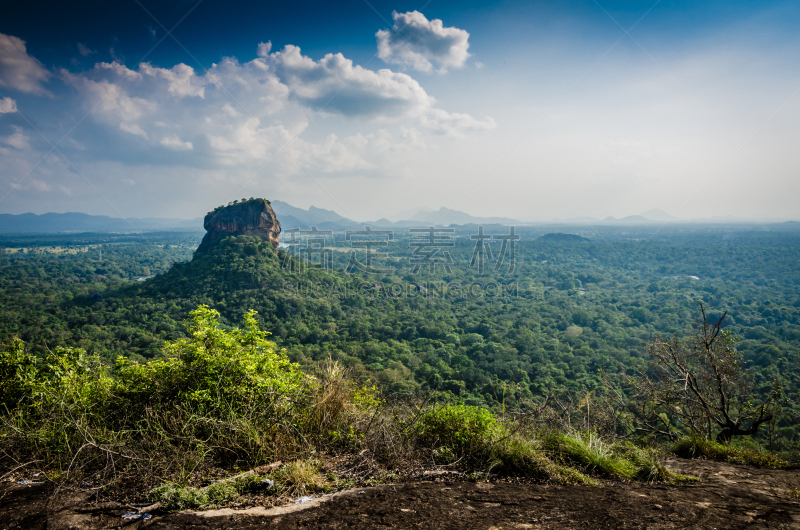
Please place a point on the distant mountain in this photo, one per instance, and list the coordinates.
(82, 222)
(649, 217)
(657, 215)
(288, 215)
(630, 220)
(405, 214)
(445, 216)
(562, 238)
(294, 217)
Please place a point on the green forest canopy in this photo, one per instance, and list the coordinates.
(567, 309)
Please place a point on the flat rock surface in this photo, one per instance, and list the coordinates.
(729, 496)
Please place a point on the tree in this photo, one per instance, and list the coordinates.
(699, 384)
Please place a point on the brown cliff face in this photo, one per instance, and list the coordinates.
(251, 218)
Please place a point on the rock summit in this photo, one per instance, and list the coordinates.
(254, 217)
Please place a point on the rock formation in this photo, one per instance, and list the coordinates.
(247, 218)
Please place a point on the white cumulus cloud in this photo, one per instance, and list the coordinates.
(18, 139)
(416, 42)
(173, 142)
(108, 99)
(264, 48)
(334, 85)
(453, 123)
(7, 105)
(18, 70)
(181, 79)
(241, 116)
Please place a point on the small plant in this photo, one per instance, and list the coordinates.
(463, 428)
(444, 455)
(695, 447)
(176, 497)
(521, 455)
(591, 453)
(300, 477)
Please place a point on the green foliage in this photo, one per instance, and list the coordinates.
(19, 370)
(699, 385)
(524, 455)
(300, 477)
(177, 497)
(696, 446)
(234, 370)
(578, 309)
(216, 396)
(464, 428)
(470, 436)
(592, 454)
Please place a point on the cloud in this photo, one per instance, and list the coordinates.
(133, 129)
(453, 123)
(18, 139)
(334, 85)
(38, 185)
(181, 79)
(18, 70)
(107, 99)
(416, 42)
(241, 116)
(85, 50)
(114, 55)
(173, 142)
(7, 105)
(264, 48)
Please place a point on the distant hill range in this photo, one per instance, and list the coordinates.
(82, 222)
(443, 217)
(294, 217)
(562, 238)
(650, 216)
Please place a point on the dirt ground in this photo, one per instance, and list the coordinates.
(728, 496)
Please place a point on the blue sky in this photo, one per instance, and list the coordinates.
(533, 110)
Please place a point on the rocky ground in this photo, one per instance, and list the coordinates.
(728, 496)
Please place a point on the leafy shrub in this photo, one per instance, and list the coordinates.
(215, 397)
(464, 428)
(233, 370)
(176, 497)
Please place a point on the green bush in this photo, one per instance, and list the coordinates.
(696, 447)
(218, 396)
(214, 368)
(591, 453)
(473, 437)
(520, 455)
(176, 497)
(464, 428)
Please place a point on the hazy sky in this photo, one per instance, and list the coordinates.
(531, 110)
